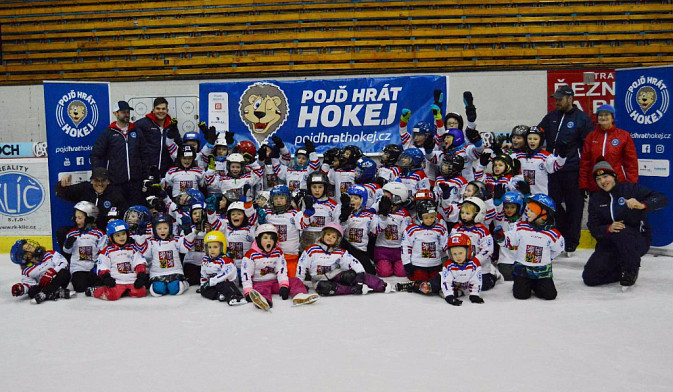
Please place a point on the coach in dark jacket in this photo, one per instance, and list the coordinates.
(570, 126)
(120, 148)
(618, 222)
(161, 137)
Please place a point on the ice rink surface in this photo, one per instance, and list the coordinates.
(589, 339)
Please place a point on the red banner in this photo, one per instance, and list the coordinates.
(593, 88)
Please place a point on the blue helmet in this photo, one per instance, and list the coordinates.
(544, 201)
(514, 198)
(138, 222)
(423, 128)
(195, 196)
(365, 170)
(280, 190)
(269, 143)
(414, 157)
(161, 218)
(191, 136)
(458, 137)
(359, 190)
(16, 253)
(116, 226)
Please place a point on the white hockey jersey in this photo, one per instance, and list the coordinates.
(465, 278)
(259, 266)
(121, 262)
(85, 249)
(424, 246)
(326, 211)
(164, 255)
(482, 243)
(288, 226)
(536, 169)
(391, 227)
(359, 226)
(294, 178)
(534, 248)
(317, 261)
(179, 180)
(220, 269)
(51, 259)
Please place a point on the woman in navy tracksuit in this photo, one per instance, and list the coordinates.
(618, 222)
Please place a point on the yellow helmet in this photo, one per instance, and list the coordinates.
(216, 236)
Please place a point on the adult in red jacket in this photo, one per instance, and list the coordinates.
(614, 145)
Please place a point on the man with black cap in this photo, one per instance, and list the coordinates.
(567, 125)
(98, 191)
(119, 148)
(618, 222)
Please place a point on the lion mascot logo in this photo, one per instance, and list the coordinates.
(646, 98)
(77, 112)
(263, 107)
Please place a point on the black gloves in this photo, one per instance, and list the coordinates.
(108, 280)
(523, 187)
(141, 280)
(470, 110)
(446, 190)
(485, 158)
(451, 300)
(472, 135)
(385, 206)
(475, 299)
(278, 141)
(308, 145)
(429, 143)
(186, 225)
(308, 202)
(498, 234)
(69, 242)
(209, 133)
(172, 130)
(345, 207)
(562, 150)
(499, 191)
(284, 292)
(439, 97)
(261, 154)
(497, 144)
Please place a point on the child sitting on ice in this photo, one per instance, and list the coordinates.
(218, 272)
(45, 274)
(264, 272)
(333, 270)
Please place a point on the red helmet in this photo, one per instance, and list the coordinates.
(424, 194)
(461, 239)
(247, 149)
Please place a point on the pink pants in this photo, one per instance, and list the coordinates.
(114, 293)
(388, 262)
(272, 287)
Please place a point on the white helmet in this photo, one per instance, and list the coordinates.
(236, 158)
(221, 140)
(237, 205)
(265, 228)
(481, 206)
(399, 192)
(89, 209)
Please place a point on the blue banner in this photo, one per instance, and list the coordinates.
(75, 114)
(643, 108)
(331, 113)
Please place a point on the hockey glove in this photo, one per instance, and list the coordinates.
(308, 206)
(229, 137)
(261, 155)
(446, 190)
(523, 187)
(172, 130)
(308, 145)
(211, 203)
(18, 289)
(345, 208)
(247, 193)
(404, 119)
(475, 299)
(451, 300)
(429, 143)
(436, 112)
(211, 162)
(278, 141)
(69, 242)
(141, 280)
(499, 234)
(485, 158)
(284, 292)
(439, 97)
(47, 277)
(108, 281)
(497, 144)
(470, 110)
(472, 135)
(562, 150)
(385, 206)
(499, 192)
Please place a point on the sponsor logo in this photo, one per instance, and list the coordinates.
(647, 100)
(615, 142)
(20, 194)
(77, 113)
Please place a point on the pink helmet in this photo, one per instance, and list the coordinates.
(335, 226)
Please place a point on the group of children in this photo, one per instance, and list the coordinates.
(242, 223)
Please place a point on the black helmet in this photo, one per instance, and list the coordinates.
(520, 130)
(482, 192)
(391, 153)
(354, 153)
(455, 116)
(507, 160)
(317, 177)
(330, 155)
(451, 165)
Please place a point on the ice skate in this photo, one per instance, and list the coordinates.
(89, 291)
(64, 294)
(39, 298)
(304, 299)
(404, 286)
(259, 300)
(389, 288)
(236, 301)
(361, 289)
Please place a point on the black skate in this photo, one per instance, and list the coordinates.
(405, 286)
(62, 293)
(628, 279)
(39, 298)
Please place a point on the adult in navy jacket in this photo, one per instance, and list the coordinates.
(618, 222)
(159, 135)
(570, 126)
(119, 148)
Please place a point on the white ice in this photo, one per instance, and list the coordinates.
(589, 339)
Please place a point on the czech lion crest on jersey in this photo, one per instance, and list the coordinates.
(263, 107)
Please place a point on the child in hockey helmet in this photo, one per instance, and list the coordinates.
(534, 140)
(476, 189)
(453, 139)
(331, 157)
(365, 171)
(453, 120)
(331, 235)
(84, 215)
(472, 211)
(44, 274)
(540, 211)
(317, 185)
(26, 253)
(221, 148)
(358, 197)
(457, 278)
(235, 165)
(186, 156)
(218, 272)
(512, 206)
(451, 166)
(396, 192)
(161, 227)
(266, 237)
(191, 139)
(349, 157)
(427, 213)
(519, 134)
(502, 165)
(421, 131)
(411, 160)
(280, 199)
(236, 214)
(118, 232)
(247, 150)
(137, 217)
(460, 248)
(391, 154)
